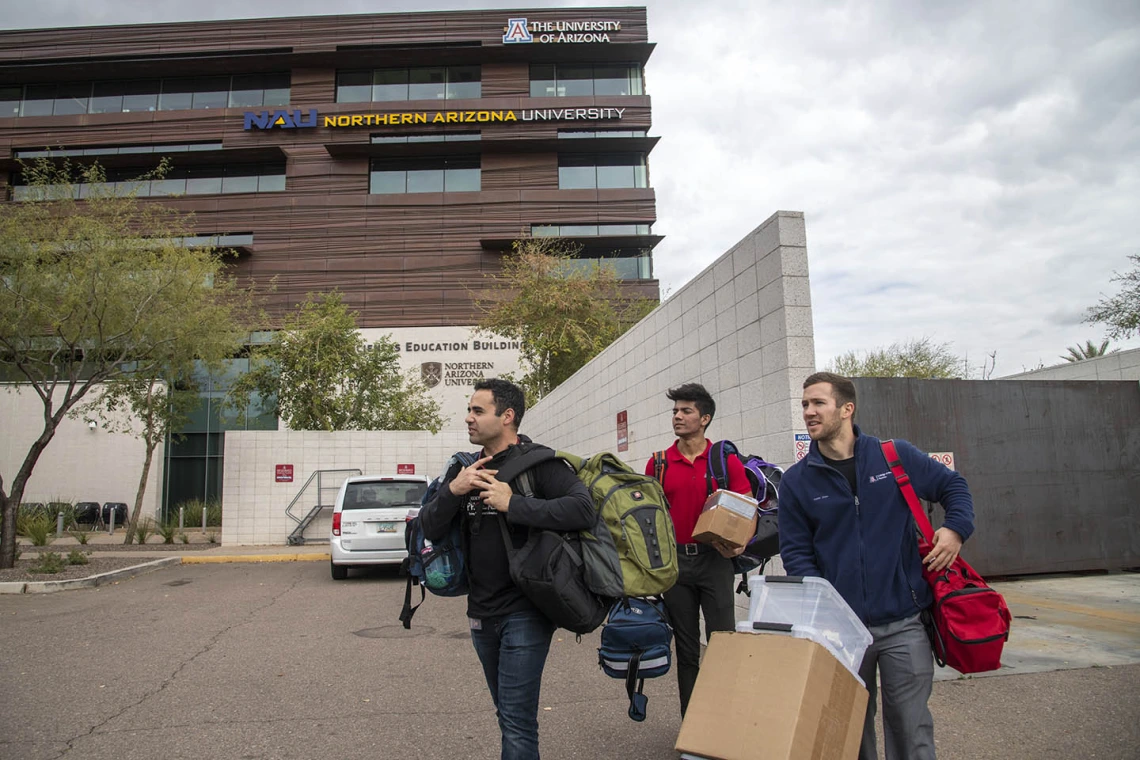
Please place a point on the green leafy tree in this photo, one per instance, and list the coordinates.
(1121, 312)
(320, 375)
(920, 358)
(562, 311)
(1089, 350)
(93, 291)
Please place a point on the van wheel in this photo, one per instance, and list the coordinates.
(339, 572)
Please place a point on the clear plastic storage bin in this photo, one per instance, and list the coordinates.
(807, 608)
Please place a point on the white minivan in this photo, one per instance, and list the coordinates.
(368, 520)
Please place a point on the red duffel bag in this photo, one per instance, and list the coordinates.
(969, 620)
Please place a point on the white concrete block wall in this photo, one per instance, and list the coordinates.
(254, 503)
(742, 327)
(79, 464)
(1122, 365)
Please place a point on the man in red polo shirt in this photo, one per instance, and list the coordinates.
(705, 579)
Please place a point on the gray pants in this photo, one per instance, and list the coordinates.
(900, 652)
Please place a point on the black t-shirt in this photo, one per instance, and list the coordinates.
(846, 468)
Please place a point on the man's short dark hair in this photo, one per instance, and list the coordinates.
(507, 395)
(841, 387)
(696, 393)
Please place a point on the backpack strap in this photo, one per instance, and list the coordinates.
(408, 611)
(633, 689)
(659, 465)
(920, 519)
(718, 464)
(530, 457)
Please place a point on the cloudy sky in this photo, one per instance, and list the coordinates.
(969, 171)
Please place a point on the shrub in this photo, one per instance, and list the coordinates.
(80, 536)
(212, 538)
(184, 538)
(76, 557)
(143, 530)
(167, 529)
(48, 562)
(55, 506)
(192, 513)
(37, 527)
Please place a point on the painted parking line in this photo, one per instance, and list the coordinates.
(307, 557)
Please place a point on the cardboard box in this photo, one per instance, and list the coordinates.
(732, 714)
(745, 506)
(729, 516)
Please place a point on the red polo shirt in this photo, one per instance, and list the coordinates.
(686, 489)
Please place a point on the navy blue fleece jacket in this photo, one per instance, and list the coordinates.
(866, 545)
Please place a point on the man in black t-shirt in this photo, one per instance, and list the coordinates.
(511, 636)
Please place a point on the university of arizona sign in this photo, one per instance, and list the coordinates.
(281, 119)
(519, 31)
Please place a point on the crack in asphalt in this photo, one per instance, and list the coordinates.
(174, 675)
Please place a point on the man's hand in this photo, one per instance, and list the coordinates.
(493, 491)
(727, 550)
(468, 478)
(947, 544)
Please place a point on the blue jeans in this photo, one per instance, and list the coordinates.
(513, 650)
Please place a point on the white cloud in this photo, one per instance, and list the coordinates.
(969, 171)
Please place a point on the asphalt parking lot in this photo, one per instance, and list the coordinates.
(279, 661)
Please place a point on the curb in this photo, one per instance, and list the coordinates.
(47, 587)
(257, 558)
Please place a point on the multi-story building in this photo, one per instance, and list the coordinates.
(391, 157)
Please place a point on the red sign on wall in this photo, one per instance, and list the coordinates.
(622, 431)
(284, 473)
(405, 469)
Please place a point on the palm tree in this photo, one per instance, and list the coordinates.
(1087, 351)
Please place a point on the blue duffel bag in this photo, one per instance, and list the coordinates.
(636, 645)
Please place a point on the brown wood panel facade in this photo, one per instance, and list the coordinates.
(401, 259)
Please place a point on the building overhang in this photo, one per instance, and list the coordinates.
(597, 246)
(519, 145)
(145, 161)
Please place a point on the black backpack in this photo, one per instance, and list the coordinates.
(552, 569)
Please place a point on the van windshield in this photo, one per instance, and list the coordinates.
(381, 494)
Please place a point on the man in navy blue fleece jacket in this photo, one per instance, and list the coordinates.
(843, 518)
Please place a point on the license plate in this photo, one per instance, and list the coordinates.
(386, 527)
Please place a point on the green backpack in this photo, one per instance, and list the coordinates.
(633, 507)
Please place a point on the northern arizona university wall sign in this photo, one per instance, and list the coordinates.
(298, 119)
(519, 31)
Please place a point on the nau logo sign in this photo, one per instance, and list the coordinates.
(431, 373)
(517, 32)
(282, 119)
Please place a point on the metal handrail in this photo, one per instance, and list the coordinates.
(297, 536)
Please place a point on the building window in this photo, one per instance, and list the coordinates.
(428, 137)
(637, 267)
(185, 180)
(602, 171)
(588, 230)
(455, 174)
(427, 83)
(553, 80)
(134, 95)
(585, 134)
(115, 150)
